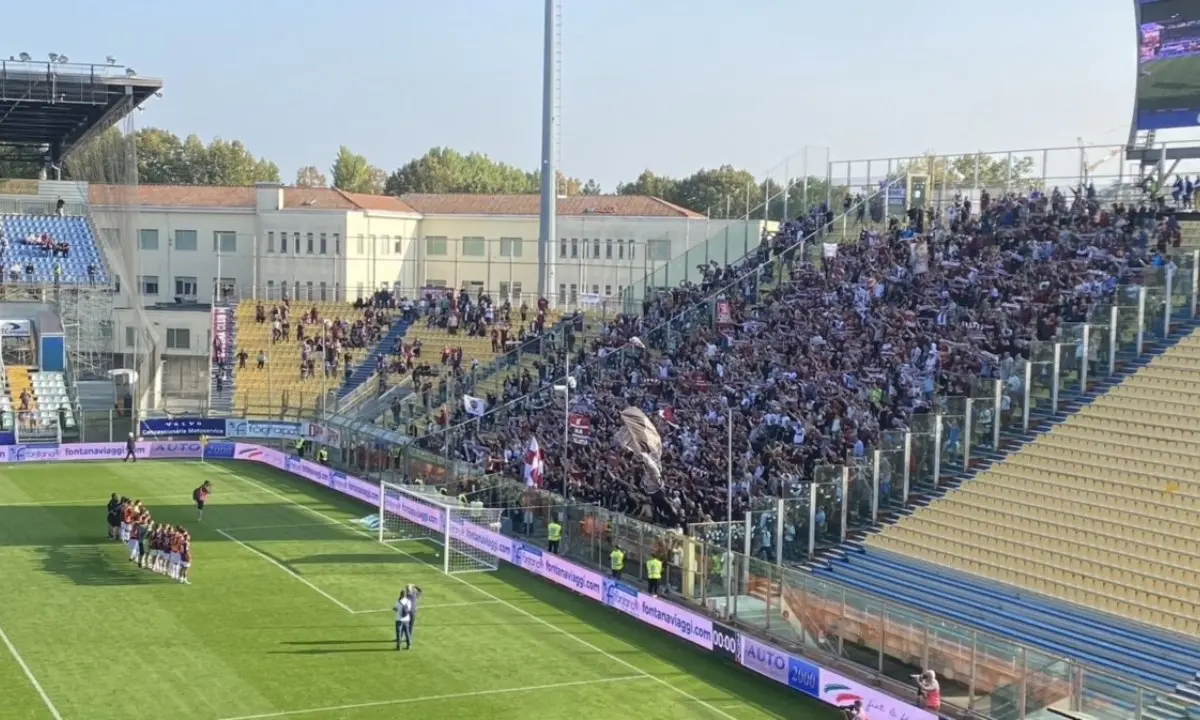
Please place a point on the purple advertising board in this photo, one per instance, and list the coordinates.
(763, 659)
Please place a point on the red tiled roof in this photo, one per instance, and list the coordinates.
(618, 205)
(331, 199)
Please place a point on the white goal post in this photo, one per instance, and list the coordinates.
(407, 513)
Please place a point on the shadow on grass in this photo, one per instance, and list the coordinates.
(99, 564)
(334, 651)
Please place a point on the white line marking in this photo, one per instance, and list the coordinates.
(289, 571)
(100, 501)
(323, 523)
(435, 698)
(29, 674)
(431, 606)
(506, 603)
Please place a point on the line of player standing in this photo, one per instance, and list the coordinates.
(165, 549)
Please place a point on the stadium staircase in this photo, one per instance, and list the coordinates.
(74, 230)
(366, 369)
(1100, 621)
(224, 327)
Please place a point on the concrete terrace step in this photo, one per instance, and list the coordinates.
(366, 368)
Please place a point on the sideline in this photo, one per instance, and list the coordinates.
(436, 698)
(485, 593)
(41, 691)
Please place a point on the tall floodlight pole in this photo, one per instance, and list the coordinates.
(546, 231)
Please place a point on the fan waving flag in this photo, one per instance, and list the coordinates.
(474, 406)
(534, 462)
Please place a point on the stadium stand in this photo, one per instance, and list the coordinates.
(224, 333)
(323, 338)
(821, 359)
(47, 248)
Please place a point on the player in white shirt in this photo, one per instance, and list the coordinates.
(403, 621)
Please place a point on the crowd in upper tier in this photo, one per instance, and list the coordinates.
(816, 352)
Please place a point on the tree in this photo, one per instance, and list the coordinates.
(442, 170)
(310, 177)
(351, 172)
(591, 187)
(651, 184)
(970, 171)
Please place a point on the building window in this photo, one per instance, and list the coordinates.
(270, 242)
(358, 291)
(149, 284)
(309, 245)
(185, 240)
(358, 245)
(620, 249)
(659, 250)
(179, 339)
(574, 294)
(608, 249)
(510, 247)
(399, 246)
(147, 239)
(385, 245)
(186, 286)
(630, 248)
(435, 283)
(562, 248)
(323, 289)
(435, 246)
(562, 294)
(608, 290)
(130, 337)
(270, 289)
(575, 247)
(283, 243)
(516, 293)
(595, 289)
(296, 287)
(296, 246)
(474, 247)
(309, 288)
(224, 241)
(503, 292)
(324, 247)
(596, 248)
(373, 249)
(337, 244)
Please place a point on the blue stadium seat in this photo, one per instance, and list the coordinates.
(76, 231)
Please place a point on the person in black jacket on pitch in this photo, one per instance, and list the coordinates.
(131, 449)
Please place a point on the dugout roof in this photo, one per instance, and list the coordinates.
(47, 109)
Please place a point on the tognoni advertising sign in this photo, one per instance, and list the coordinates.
(842, 692)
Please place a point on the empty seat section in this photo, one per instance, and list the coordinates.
(25, 237)
(1103, 510)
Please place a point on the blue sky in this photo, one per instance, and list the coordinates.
(671, 85)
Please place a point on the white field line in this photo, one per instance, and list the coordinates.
(239, 528)
(431, 606)
(485, 593)
(100, 501)
(289, 571)
(436, 698)
(41, 691)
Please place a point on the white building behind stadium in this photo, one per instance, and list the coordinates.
(325, 244)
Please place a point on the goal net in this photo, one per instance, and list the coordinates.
(409, 514)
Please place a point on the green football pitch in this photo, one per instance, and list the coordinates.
(288, 615)
(1171, 83)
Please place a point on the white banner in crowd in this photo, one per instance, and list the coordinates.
(474, 406)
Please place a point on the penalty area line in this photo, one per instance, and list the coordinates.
(432, 606)
(536, 618)
(438, 698)
(289, 571)
(41, 691)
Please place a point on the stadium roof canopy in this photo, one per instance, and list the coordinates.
(49, 108)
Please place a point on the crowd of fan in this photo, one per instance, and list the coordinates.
(817, 356)
(455, 312)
